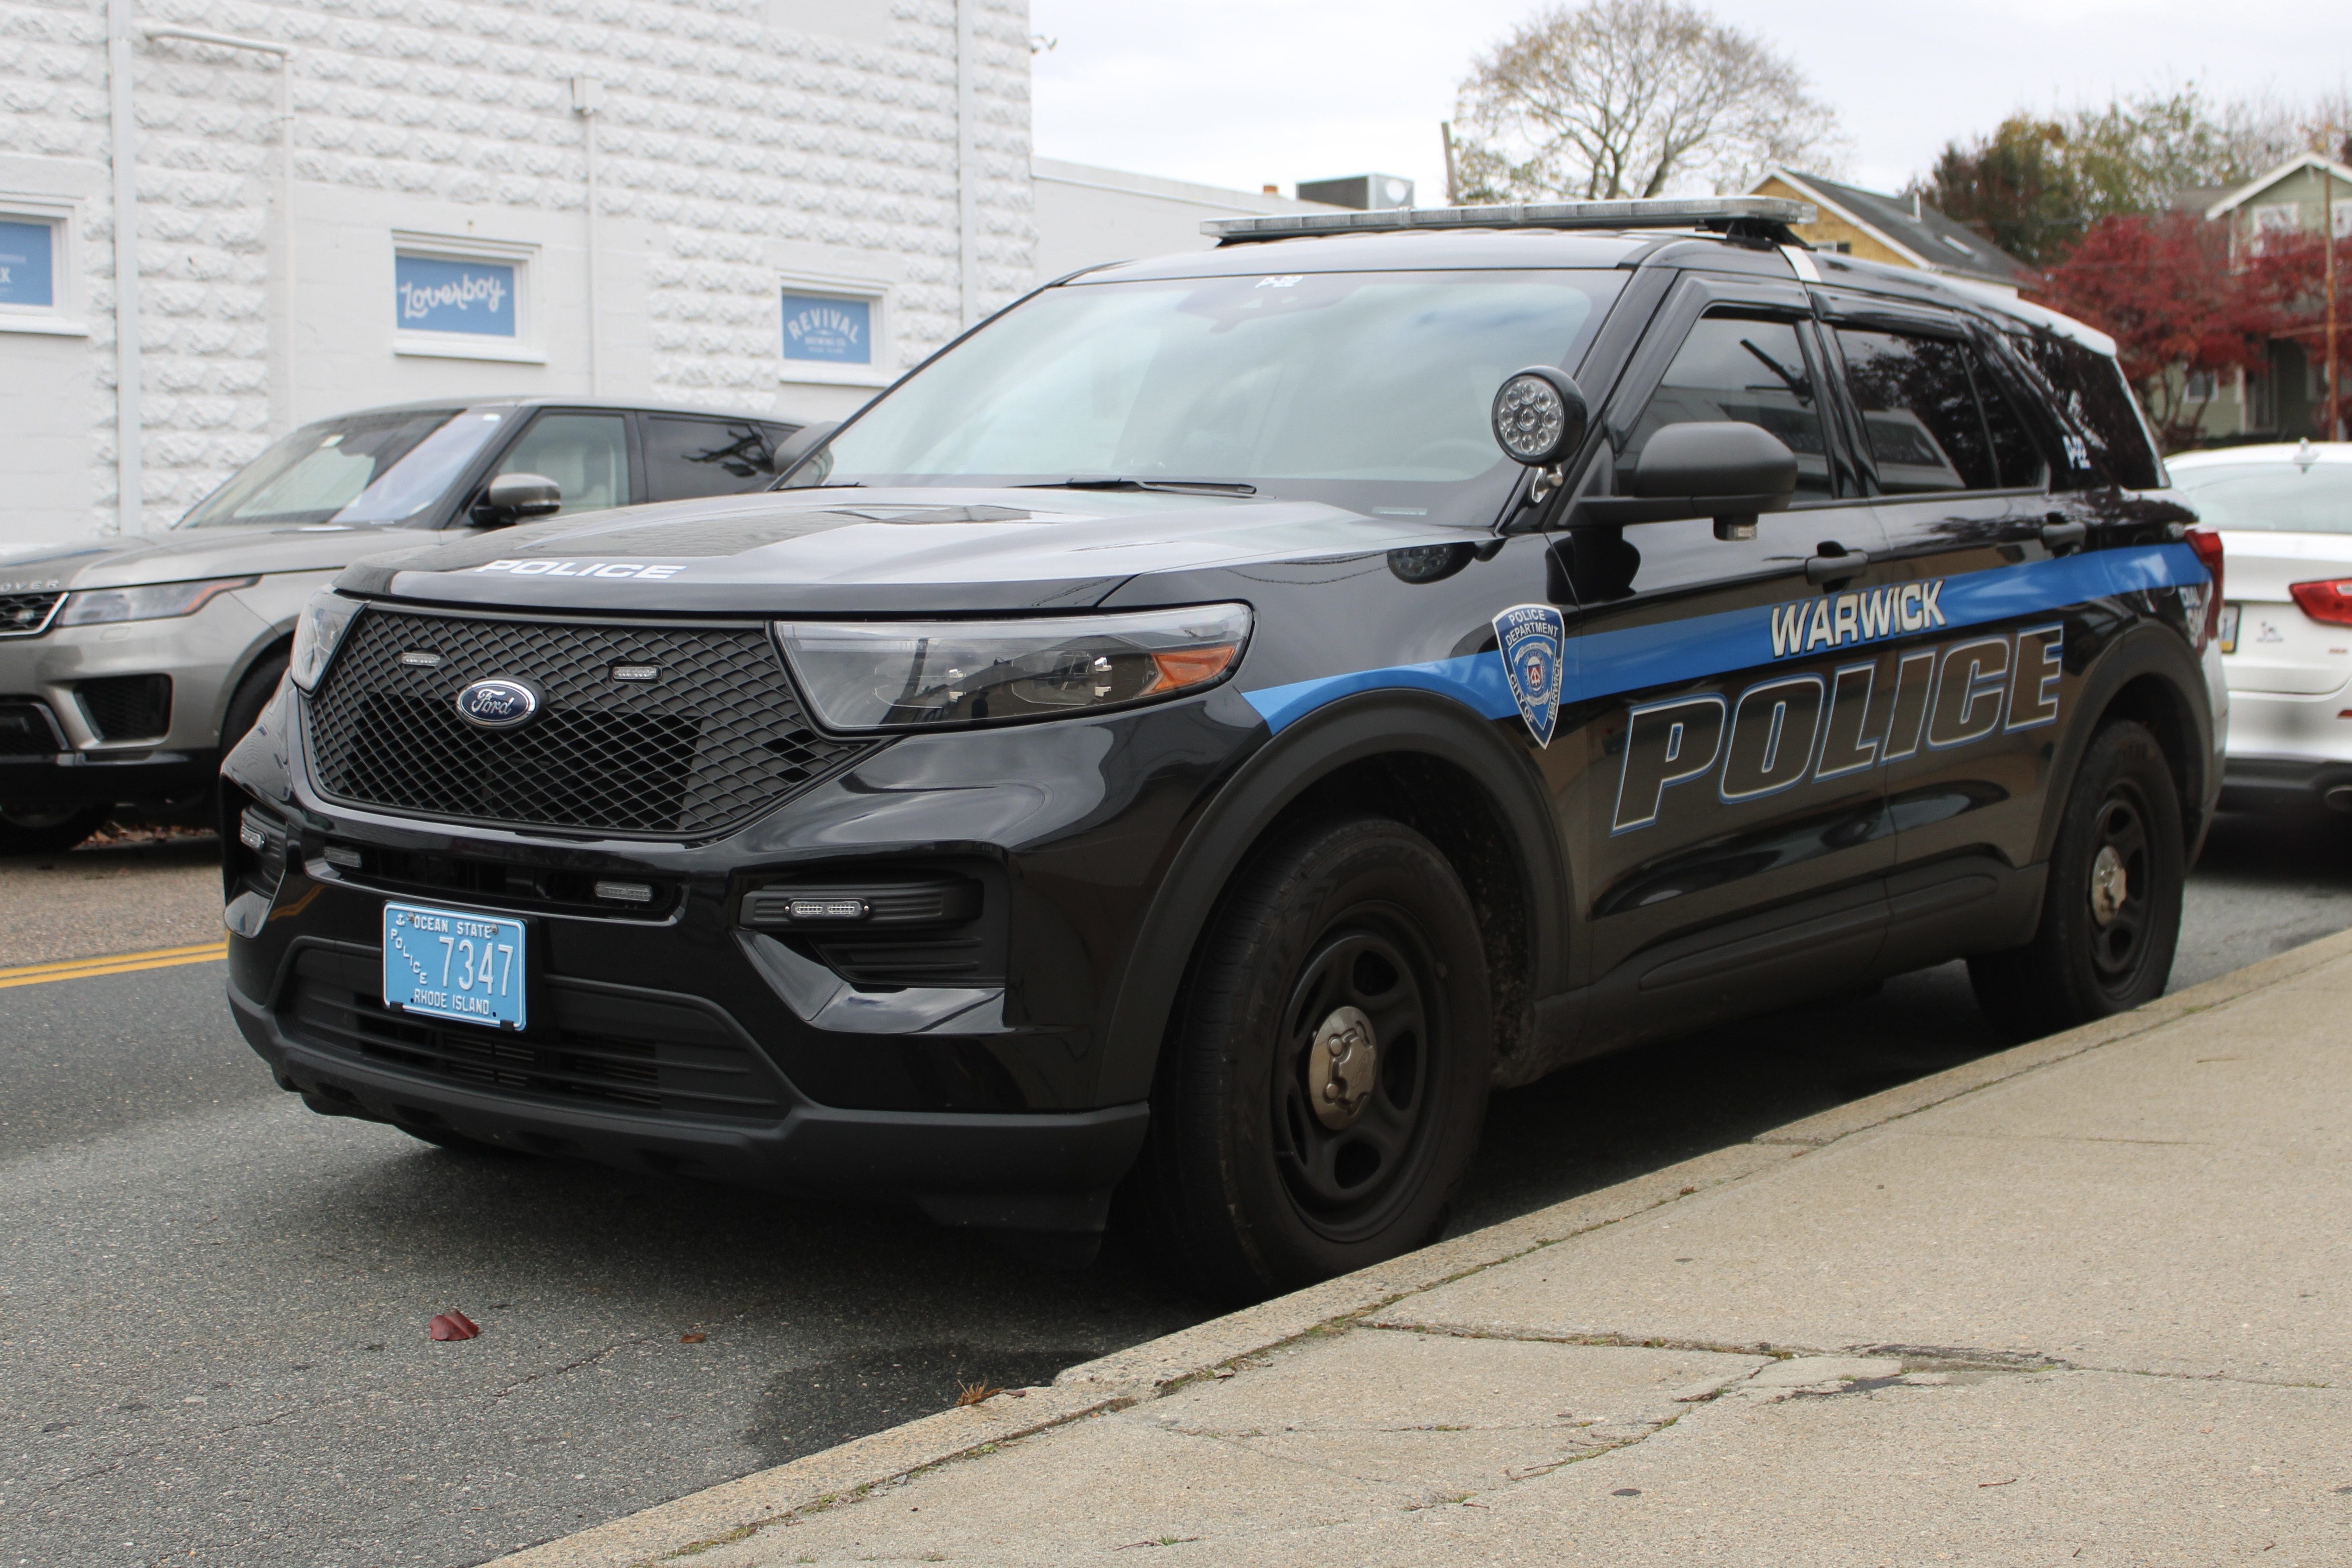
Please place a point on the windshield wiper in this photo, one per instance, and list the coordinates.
(1176, 486)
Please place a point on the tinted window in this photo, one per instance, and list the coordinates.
(1748, 370)
(586, 454)
(2091, 388)
(2285, 498)
(1919, 413)
(2017, 462)
(686, 457)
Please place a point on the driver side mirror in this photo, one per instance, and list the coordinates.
(1725, 469)
(510, 498)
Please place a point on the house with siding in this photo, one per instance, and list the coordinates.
(1903, 231)
(2286, 397)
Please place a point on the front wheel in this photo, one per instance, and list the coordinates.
(2111, 912)
(49, 832)
(1325, 1075)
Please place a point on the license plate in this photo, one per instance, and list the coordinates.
(452, 964)
(2229, 631)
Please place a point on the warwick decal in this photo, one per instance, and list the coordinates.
(1780, 732)
(1533, 638)
(1841, 619)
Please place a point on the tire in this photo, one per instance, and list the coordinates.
(253, 694)
(49, 832)
(1250, 1189)
(2095, 955)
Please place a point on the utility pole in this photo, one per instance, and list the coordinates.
(1453, 179)
(2327, 241)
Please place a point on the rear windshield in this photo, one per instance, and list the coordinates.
(2276, 497)
(1366, 390)
(369, 469)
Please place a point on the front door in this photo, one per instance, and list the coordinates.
(1731, 814)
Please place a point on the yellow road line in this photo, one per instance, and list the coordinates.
(115, 964)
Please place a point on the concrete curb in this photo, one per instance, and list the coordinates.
(737, 1509)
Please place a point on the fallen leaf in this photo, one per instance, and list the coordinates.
(2010, 1482)
(454, 1326)
(973, 1392)
(692, 1339)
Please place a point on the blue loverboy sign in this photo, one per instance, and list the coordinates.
(837, 332)
(430, 295)
(26, 270)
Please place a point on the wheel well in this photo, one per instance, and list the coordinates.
(2153, 702)
(1447, 807)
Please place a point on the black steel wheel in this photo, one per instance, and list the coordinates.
(2111, 909)
(1325, 1076)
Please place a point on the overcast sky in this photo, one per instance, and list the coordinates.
(1243, 93)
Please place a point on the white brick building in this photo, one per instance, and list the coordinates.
(794, 199)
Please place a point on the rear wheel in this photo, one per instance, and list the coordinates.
(49, 832)
(1326, 1072)
(2111, 912)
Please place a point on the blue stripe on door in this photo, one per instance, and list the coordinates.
(1669, 653)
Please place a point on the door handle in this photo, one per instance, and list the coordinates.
(2060, 534)
(1835, 564)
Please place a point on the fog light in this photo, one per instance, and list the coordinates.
(825, 909)
(344, 856)
(626, 892)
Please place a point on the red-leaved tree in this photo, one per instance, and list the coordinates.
(2290, 272)
(2164, 289)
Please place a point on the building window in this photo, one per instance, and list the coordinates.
(2203, 385)
(834, 331)
(2284, 218)
(464, 300)
(37, 274)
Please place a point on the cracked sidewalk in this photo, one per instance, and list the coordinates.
(2086, 1305)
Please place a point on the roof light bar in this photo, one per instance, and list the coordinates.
(1654, 211)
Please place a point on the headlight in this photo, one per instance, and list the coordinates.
(905, 675)
(149, 602)
(324, 620)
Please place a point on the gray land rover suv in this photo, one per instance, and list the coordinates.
(128, 665)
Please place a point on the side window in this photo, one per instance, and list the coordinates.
(1919, 410)
(586, 454)
(2093, 390)
(2017, 463)
(687, 457)
(1748, 370)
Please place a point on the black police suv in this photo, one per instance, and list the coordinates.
(1164, 741)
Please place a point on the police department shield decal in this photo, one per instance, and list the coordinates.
(1533, 637)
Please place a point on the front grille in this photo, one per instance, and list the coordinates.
(715, 737)
(128, 707)
(28, 731)
(599, 1046)
(28, 614)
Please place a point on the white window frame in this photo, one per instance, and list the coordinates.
(874, 296)
(62, 316)
(523, 348)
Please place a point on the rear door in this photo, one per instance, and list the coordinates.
(1732, 819)
(1974, 665)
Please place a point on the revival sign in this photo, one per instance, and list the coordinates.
(834, 332)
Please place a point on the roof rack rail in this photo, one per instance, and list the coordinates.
(1767, 218)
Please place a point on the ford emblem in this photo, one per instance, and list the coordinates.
(496, 704)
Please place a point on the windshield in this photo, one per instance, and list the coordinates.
(369, 469)
(2276, 498)
(1367, 389)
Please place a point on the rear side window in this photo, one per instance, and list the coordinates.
(1935, 417)
(686, 458)
(1748, 370)
(2091, 391)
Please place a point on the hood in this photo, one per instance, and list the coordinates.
(128, 560)
(852, 551)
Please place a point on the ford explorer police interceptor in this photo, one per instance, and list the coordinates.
(1163, 741)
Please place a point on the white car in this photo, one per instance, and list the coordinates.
(2285, 515)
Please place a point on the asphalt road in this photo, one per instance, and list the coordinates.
(212, 1304)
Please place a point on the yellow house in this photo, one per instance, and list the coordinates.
(1902, 231)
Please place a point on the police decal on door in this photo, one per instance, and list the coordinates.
(1778, 732)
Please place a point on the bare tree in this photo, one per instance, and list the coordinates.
(1632, 98)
